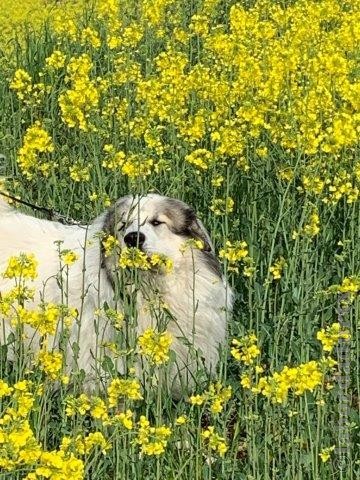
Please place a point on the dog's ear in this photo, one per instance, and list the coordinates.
(185, 222)
(197, 231)
(115, 214)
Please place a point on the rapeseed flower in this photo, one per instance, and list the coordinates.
(305, 377)
(236, 252)
(78, 102)
(32, 156)
(51, 363)
(153, 440)
(214, 442)
(331, 335)
(23, 267)
(222, 206)
(135, 258)
(326, 453)
(246, 349)
(56, 60)
(68, 257)
(155, 346)
(123, 388)
(216, 397)
(277, 268)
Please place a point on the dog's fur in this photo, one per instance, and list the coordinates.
(195, 292)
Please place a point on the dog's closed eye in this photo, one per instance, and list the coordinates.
(122, 227)
(156, 223)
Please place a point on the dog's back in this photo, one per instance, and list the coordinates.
(20, 233)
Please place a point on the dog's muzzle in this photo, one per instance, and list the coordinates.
(134, 239)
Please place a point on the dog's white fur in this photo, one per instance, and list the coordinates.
(197, 295)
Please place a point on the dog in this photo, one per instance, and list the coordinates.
(196, 297)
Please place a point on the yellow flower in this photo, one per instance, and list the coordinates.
(110, 244)
(197, 399)
(32, 155)
(326, 453)
(222, 206)
(56, 60)
(277, 268)
(133, 258)
(246, 349)
(201, 158)
(98, 408)
(51, 363)
(96, 439)
(305, 377)
(161, 262)
(213, 440)
(124, 418)
(182, 420)
(91, 37)
(5, 389)
(80, 405)
(192, 243)
(233, 252)
(79, 173)
(330, 336)
(153, 440)
(216, 396)
(69, 257)
(123, 388)
(24, 266)
(46, 318)
(155, 346)
(21, 83)
(78, 102)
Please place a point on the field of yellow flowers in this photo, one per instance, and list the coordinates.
(249, 110)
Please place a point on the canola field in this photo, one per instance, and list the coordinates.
(249, 110)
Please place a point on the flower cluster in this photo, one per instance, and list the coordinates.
(45, 319)
(349, 287)
(305, 377)
(155, 346)
(19, 447)
(331, 335)
(51, 363)
(277, 268)
(78, 102)
(123, 388)
(246, 349)
(22, 267)
(135, 258)
(68, 257)
(234, 253)
(29, 93)
(32, 156)
(153, 440)
(222, 206)
(56, 60)
(310, 229)
(216, 396)
(213, 441)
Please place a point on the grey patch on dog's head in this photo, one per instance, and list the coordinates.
(184, 222)
(113, 215)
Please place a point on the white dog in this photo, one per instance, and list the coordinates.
(197, 297)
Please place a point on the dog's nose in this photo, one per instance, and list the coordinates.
(134, 239)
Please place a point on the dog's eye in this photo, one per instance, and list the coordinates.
(155, 223)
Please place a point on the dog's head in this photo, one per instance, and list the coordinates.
(157, 224)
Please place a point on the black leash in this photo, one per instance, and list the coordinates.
(52, 214)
